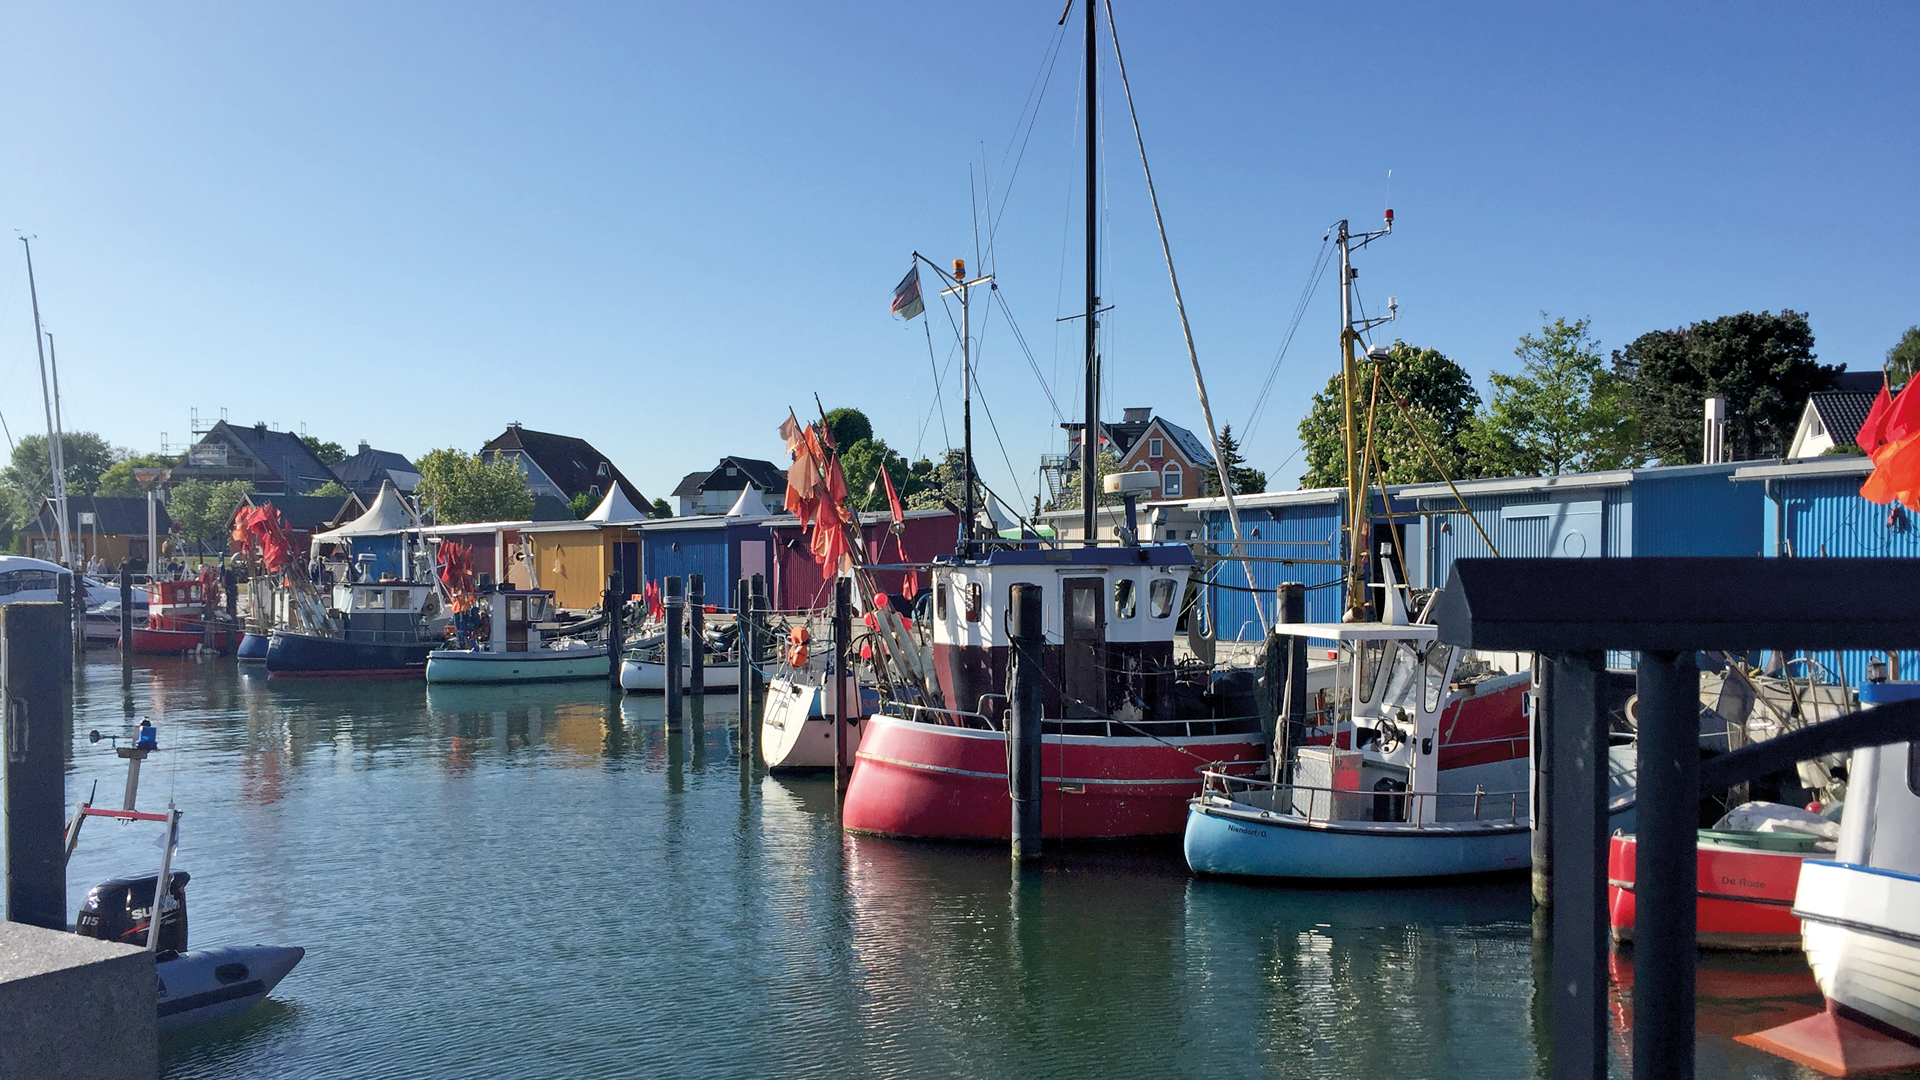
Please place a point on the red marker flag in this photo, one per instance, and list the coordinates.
(1875, 424)
(893, 500)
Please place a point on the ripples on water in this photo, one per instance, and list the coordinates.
(543, 882)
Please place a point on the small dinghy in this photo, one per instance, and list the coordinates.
(194, 985)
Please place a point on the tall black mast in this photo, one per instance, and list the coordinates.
(1090, 435)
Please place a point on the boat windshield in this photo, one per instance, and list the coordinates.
(1403, 680)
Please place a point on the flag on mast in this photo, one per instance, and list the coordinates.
(906, 295)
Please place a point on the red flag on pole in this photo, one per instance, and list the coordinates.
(1876, 421)
(893, 499)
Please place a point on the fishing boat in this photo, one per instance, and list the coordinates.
(1748, 871)
(194, 986)
(185, 615)
(510, 645)
(386, 607)
(1860, 919)
(643, 668)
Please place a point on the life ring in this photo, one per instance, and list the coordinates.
(797, 655)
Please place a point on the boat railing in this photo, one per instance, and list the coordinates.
(1319, 804)
(933, 714)
(1097, 726)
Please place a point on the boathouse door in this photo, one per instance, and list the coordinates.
(1083, 625)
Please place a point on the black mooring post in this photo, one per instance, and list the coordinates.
(1666, 817)
(1540, 758)
(229, 582)
(756, 686)
(842, 708)
(33, 720)
(1575, 724)
(613, 603)
(676, 605)
(697, 633)
(126, 608)
(1293, 609)
(1027, 631)
(743, 655)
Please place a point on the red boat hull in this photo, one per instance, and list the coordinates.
(1745, 895)
(934, 781)
(150, 639)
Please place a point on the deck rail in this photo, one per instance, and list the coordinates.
(1328, 804)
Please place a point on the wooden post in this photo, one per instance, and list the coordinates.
(126, 607)
(1293, 609)
(1666, 817)
(837, 675)
(33, 724)
(745, 651)
(1540, 783)
(676, 605)
(697, 633)
(1025, 677)
(77, 617)
(1575, 724)
(756, 705)
(613, 603)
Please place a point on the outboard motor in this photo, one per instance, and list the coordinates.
(118, 910)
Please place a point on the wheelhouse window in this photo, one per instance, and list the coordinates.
(28, 581)
(402, 599)
(1123, 598)
(1403, 679)
(1160, 597)
(1436, 663)
(1170, 482)
(1373, 657)
(373, 598)
(973, 601)
(1083, 611)
(940, 601)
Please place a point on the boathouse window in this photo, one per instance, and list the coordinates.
(1123, 598)
(1437, 656)
(973, 601)
(940, 601)
(373, 598)
(1170, 482)
(1160, 597)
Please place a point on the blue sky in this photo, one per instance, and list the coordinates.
(659, 226)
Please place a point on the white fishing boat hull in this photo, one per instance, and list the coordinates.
(542, 665)
(1860, 926)
(793, 732)
(210, 984)
(645, 676)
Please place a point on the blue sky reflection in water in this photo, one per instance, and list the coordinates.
(535, 882)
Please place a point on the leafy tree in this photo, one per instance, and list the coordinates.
(582, 505)
(460, 487)
(118, 481)
(849, 426)
(204, 511)
(862, 463)
(1105, 464)
(30, 471)
(332, 489)
(1246, 481)
(1562, 413)
(1904, 358)
(329, 453)
(941, 485)
(661, 509)
(1439, 405)
(1763, 365)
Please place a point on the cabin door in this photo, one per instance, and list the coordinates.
(1083, 625)
(516, 624)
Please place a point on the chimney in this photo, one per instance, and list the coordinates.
(1713, 435)
(1138, 416)
(363, 446)
(260, 427)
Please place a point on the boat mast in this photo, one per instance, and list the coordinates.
(1090, 435)
(1359, 514)
(963, 287)
(56, 456)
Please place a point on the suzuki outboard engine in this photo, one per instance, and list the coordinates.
(118, 910)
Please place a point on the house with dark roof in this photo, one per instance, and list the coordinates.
(101, 529)
(718, 489)
(365, 471)
(559, 465)
(1833, 417)
(275, 462)
(1144, 443)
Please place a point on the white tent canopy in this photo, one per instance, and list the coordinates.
(388, 514)
(615, 507)
(749, 504)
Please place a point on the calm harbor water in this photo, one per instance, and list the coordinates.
(545, 882)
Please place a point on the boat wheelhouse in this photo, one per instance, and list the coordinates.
(510, 646)
(183, 615)
(1127, 727)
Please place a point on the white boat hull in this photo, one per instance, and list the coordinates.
(793, 732)
(645, 676)
(211, 984)
(1861, 930)
(542, 665)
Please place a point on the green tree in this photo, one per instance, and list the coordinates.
(329, 453)
(662, 509)
(204, 511)
(582, 505)
(1436, 405)
(118, 482)
(942, 485)
(460, 487)
(30, 471)
(848, 426)
(1562, 413)
(862, 463)
(1246, 481)
(1104, 465)
(1763, 365)
(332, 489)
(1904, 358)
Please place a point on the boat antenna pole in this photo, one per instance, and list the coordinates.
(56, 459)
(1090, 435)
(962, 287)
(1359, 515)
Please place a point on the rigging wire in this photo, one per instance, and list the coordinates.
(938, 401)
(1321, 263)
(1031, 362)
(1042, 79)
